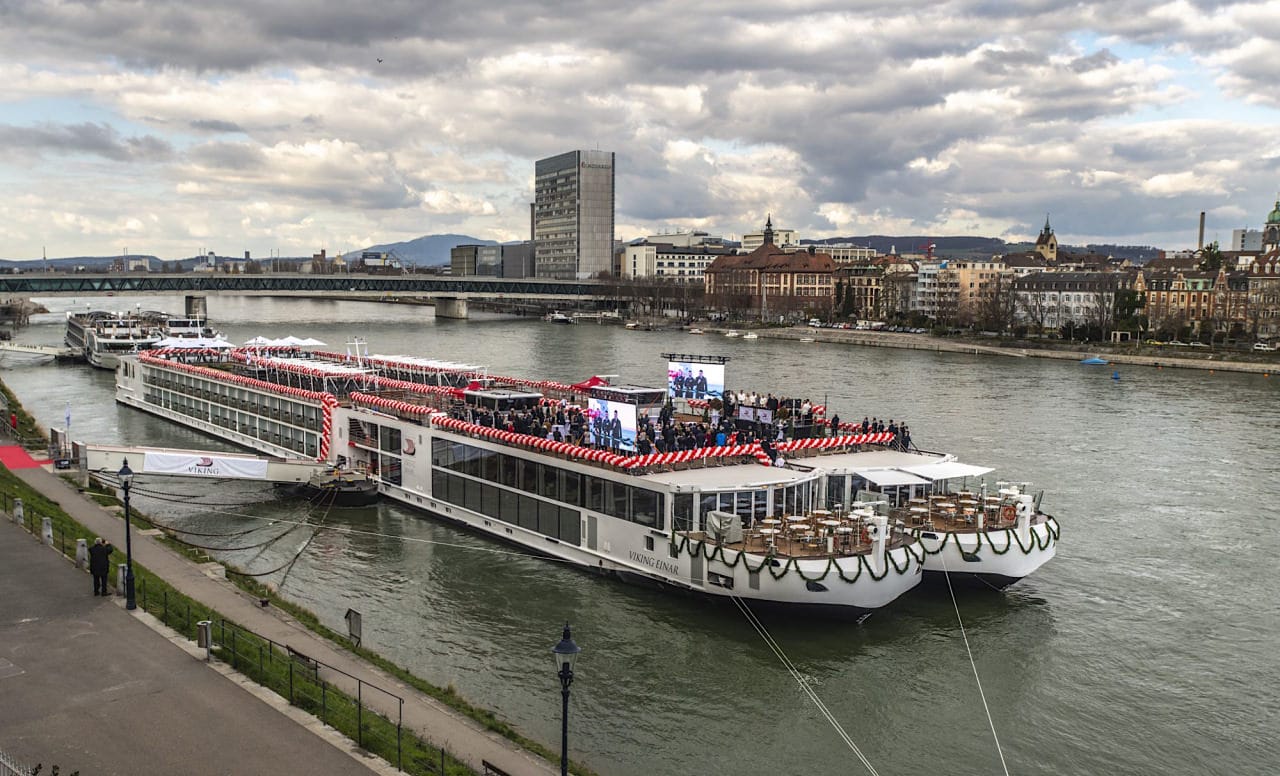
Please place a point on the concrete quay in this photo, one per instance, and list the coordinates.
(465, 739)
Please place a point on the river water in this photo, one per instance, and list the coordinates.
(1146, 647)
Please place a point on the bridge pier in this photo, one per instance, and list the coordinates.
(196, 307)
(451, 307)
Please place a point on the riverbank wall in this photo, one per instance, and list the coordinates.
(877, 339)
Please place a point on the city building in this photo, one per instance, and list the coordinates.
(841, 253)
(573, 215)
(686, 239)
(782, 238)
(484, 260)
(1245, 240)
(1176, 298)
(770, 282)
(517, 260)
(683, 264)
(1049, 301)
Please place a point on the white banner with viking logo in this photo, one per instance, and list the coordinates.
(204, 466)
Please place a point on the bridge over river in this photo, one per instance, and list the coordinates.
(449, 294)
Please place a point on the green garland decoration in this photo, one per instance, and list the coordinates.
(1053, 532)
(777, 572)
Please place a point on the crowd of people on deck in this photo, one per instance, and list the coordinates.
(718, 427)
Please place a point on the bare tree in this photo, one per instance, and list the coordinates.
(1034, 305)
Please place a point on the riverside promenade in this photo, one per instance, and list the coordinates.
(465, 739)
(88, 687)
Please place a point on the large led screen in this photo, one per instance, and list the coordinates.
(692, 380)
(613, 424)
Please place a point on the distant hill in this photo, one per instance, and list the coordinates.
(426, 251)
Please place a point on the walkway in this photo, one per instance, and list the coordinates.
(437, 723)
(87, 687)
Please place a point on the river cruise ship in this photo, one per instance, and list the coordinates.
(794, 524)
(104, 336)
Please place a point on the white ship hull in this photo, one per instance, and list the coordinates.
(997, 558)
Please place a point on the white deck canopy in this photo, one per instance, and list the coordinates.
(947, 470)
(889, 477)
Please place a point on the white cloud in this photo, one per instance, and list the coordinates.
(281, 129)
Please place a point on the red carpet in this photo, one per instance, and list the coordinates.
(16, 458)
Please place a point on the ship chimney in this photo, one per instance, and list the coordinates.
(1200, 241)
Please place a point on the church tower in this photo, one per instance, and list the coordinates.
(1047, 243)
(1271, 230)
(768, 230)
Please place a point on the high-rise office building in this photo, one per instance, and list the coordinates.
(573, 215)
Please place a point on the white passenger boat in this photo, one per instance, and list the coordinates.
(717, 521)
(993, 536)
(104, 336)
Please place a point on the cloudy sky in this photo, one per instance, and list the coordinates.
(291, 125)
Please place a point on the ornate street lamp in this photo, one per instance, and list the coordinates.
(566, 651)
(126, 480)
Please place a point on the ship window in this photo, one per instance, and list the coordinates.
(439, 485)
(528, 513)
(549, 484)
(548, 518)
(646, 506)
(489, 465)
(617, 500)
(707, 503)
(572, 488)
(508, 506)
(510, 470)
(753, 580)
(390, 466)
(390, 439)
(682, 512)
(529, 476)
(595, 494)
(489, 503)
(472, 490)
(439, 453)
(570, 526)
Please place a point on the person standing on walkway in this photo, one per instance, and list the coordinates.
(100, 564)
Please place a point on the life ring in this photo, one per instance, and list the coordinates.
(1007, 513)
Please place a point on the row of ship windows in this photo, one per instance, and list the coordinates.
(276, 407)
(258, 427)
(546, 518)
(637, 505)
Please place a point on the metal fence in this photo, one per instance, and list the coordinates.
(338, 698)
(10, 767)
(309, 684)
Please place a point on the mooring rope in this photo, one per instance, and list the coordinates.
(991, 722)
(777, 650)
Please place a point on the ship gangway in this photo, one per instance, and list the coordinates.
(60, 354)
(105, 461)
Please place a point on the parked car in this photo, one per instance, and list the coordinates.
(1177, 343)
(1197, 345)
(1264, 347)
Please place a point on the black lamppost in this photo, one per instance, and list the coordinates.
(565, 653)
(126, 479)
